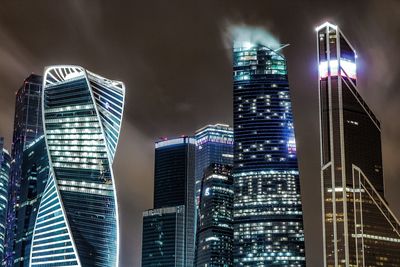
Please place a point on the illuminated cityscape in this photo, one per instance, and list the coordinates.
(358, 226)
(243, 134)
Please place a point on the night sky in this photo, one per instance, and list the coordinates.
(175, 59)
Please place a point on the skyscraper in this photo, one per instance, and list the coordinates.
(168, 229)
(5, 161)
(214, 144)
(77, 220)
(27, 128)
(358, 227)
(163, 237)
(174, 172)
(268, 218)
(214, 240)
(34, 176)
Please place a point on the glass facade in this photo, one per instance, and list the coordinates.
(173, 186)
(77, 219)
(268, 218)
(34, 175)
(28, 127)
(214, 144)
(162, 239)
(377, 231)
(353, 208)
(5, 161)
(174, 172)
(214, 240)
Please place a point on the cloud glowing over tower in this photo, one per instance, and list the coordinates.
(77, 221)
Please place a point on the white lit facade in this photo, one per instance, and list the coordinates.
(77, 221)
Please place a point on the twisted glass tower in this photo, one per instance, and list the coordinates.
(77, 221)
(268, 218)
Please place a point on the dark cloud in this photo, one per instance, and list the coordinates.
(176, 64)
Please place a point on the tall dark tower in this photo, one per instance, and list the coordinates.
(34, 176)
(268, 217)
(358, 227)
(168, 229)
(174, 172)
(27, 128)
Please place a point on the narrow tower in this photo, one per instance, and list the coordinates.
(5, 161)
(169, 229)
(28, 127)
(358, 227)
(268, 217)
(34, 176)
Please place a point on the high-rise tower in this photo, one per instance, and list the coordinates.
(268, 218)
(77, 220)
(34, 177)
(5, 161)
(174, 172)
(214, 240)
(358, 227)
(168, 229)
(27, 128)
(214, 144)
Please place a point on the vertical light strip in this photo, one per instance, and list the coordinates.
(332, 150)
(362, 222)
(355, 216)
(321, 155)
(342, 155)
